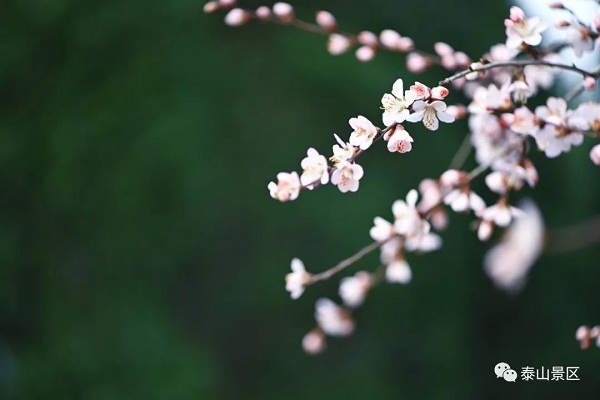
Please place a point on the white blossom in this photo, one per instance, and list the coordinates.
(520, 29)
(382, 230)
(398, 271)
(297, 279)
(315, 169)
(353, 289)
(363, 134)
(430, 113)
(346, 176)
(400, 141)
(333, 319)
(287, 187)
(341, 151)
(396, 105)
(509, 262)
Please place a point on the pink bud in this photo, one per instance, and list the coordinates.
(263, 13)
(443, 49)
(582, 332)
(485, 230)
(595, 154)
(326, 20)
(367, 38)
(365, 53)
(227, 3)
(439, 92)
(237, 17)
(516, 14)
(589, 83)
(448, 62)
(416, 63)
(405, 44)
(531, 174)
(439, 219)
(461, 59)
(389, 38)
(284, 11)
(314, 342)
(452, 177)
(211, 7)
(457, 111)
(338, 44)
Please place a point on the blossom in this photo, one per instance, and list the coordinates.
(463, 199)
(315, 169)
(284, 11)
(333, 319)
(338, 44)
(287, 187)
(520, 29)
(580, 38)
(363, 134)
(508, 263)
(341, 151)
(550, 140)
(314, 342)
(523, 121)
(501, 213)
(398, 271)
(595, 154)
(407, 218)
(430, 113)
(353, 290)
(400, 141)
(297, 279)
(382, 230)
(425, 242)
(346, 176)
(396, 104)
(237, 17)
(326, 20)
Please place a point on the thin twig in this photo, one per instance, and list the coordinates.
(518, 63)
(461, 155)
(347, 262)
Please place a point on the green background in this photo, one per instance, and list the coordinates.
(142, 258)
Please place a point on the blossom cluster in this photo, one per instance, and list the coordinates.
(503, 132)
(419, 103)
(586, 336)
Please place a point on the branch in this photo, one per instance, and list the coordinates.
(518, 63)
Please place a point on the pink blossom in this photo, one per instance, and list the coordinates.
(287, 187)
(338, 44)
(400, 141)
(363, 132)
(346, 176)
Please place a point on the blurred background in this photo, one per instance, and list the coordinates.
(141, 256)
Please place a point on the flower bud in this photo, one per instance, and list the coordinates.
(443, 49)
(263, 13)
(589, 83)
(365, 53)
(439, 92)
(595, 154)
(338, 44)
(485, 230)
(284, 11)
(417, 63)
(237, 17)
(227, 3)
(367, 38)
(326, 20)
(314, 342)
(211, 7)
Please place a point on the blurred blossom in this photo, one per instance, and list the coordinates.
(508, 263)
